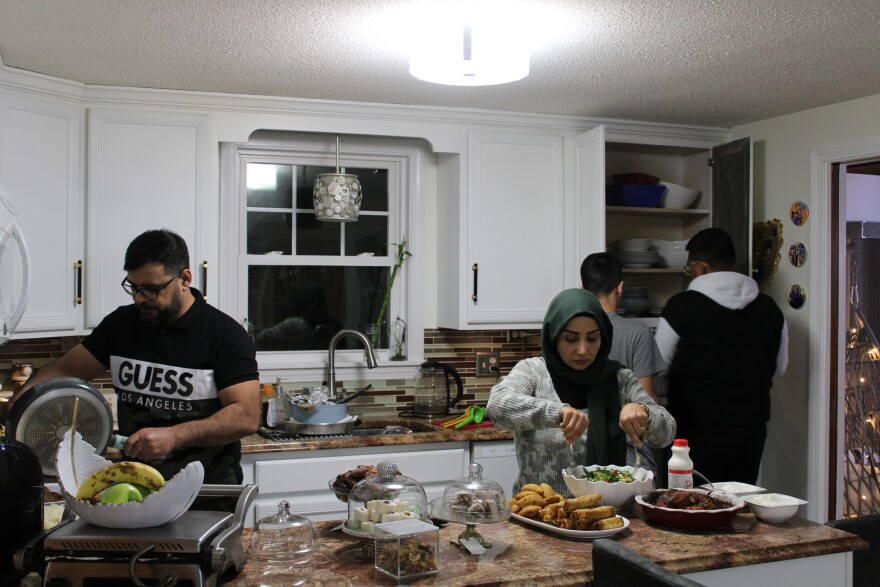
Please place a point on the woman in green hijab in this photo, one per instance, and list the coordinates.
(572, 388)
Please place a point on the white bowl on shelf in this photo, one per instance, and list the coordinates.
(672, 258)
(677, 196)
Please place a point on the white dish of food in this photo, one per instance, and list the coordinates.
(773, 507)
(617, 493)
(580, 534)
(735, 488)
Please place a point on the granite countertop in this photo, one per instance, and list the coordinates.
(525, 555)
(426, 432)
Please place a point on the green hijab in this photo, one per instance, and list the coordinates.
(595, 387)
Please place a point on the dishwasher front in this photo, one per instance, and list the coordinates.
(498, 459)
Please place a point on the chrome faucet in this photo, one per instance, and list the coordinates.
(371, 357)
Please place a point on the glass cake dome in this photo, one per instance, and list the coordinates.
(387, 497)
(472, 500)
(284, 538)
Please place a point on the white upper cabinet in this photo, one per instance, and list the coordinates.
(40, 162)
(146, 170)
(500, 238)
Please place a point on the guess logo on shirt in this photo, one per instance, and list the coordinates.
(168, 387)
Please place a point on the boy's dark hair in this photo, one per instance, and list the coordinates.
(600, 273)
(157, 246)
(714, 247)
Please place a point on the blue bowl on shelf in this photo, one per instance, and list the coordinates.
(636, 196)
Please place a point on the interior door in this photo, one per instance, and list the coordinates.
(732, 197)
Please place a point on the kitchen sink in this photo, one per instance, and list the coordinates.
(393, 429)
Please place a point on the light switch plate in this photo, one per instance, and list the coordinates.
(488, 363)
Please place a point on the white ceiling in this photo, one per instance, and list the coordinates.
(703, 62)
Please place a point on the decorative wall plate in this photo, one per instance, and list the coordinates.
(797, 254)
(797, 296)
(799, 213)
(766, 244)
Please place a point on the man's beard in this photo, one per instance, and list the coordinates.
(166, 315)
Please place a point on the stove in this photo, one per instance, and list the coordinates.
(276, 435)
(197, 549)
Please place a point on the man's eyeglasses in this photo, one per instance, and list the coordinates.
(149, 293)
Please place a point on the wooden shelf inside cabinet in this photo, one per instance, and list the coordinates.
(653, 270)
(634, 211)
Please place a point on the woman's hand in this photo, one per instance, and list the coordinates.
(634, 422)
(574, 423)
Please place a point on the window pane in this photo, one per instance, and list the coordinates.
(269, 186)
(269, 231)
(301, 308)
(374, 185)
(316, 237)
(369, 234)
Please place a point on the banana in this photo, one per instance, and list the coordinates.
(122, 472)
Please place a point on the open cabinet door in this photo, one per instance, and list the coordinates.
(732, 197)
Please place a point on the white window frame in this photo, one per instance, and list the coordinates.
(403, 159)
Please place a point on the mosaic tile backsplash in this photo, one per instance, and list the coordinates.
(387, 397)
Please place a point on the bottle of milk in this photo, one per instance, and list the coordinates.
(681, 467)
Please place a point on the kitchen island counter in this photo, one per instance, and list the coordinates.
(435, 434)
(525, 556)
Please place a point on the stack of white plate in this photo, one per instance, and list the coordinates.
(672, 253)
(634, 244)
(634, 300)
(637, 259)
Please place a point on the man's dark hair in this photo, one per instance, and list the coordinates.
(714, 247)
(157, 246)
(600, 273)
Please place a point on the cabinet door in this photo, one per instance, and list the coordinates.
(40, 173)
(515, 226)
(147, 170)
(590, 198)
(732, 197)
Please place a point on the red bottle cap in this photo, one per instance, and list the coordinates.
(679, 442)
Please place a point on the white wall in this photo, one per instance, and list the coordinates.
(862, 197)
(783, 148)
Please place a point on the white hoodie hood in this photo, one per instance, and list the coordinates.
(732, 290)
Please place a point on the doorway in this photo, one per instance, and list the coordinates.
(828, 281)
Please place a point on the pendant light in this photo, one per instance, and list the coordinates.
(337, 196)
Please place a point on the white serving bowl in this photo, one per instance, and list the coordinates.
(159, 507)
(735, 488)
(618, 494)
(773, 507)
(672, 257)
(677, 196)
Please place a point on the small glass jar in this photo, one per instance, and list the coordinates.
(397, 350)
(407, 549)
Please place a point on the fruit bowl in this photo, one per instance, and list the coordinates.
(157, 508)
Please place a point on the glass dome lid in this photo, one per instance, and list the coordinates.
(387, 497)
(284, 537)
(473, 500)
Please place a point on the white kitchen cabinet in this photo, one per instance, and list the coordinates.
(722, 174)
(40, 162)
(302, 477)
(501, 213)
(146, 170)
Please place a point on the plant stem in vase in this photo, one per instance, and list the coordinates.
(402, 256)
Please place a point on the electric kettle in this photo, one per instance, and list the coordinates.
(432, 396)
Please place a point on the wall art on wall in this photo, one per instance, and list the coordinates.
(797, 254)
(799, 213)
(797, 296)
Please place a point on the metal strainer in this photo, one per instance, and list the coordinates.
(41, 416)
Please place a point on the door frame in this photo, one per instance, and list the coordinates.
(826, 328)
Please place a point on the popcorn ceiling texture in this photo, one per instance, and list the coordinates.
(387, 397)
(690, 62)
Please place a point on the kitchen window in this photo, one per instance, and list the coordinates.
(298, 281)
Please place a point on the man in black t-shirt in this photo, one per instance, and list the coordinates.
(184, 372)
(724, 341)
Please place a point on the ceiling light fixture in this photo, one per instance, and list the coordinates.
(337, 196)
(478, 49)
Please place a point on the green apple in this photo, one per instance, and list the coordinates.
(144, 491)
(121, 493)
